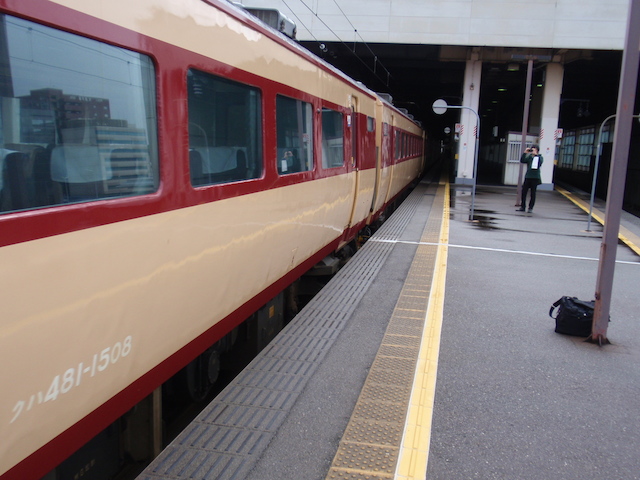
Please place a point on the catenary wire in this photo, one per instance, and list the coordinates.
(389, 76)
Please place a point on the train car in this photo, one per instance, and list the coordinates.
(401, 142)
(168, 170)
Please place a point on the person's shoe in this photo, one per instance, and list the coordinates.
(520, 210)
(529, 211)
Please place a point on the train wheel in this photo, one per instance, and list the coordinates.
(202, 373)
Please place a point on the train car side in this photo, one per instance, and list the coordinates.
(224, 163)
(401, 159)
(408, 154)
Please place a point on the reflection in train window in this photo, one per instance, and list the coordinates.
(332, 139)
(294, 120)
(225, 132)
(77, 118)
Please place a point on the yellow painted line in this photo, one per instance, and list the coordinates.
(414, 450)
(629, 238)
(370, 446)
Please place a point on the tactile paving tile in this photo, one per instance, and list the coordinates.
(379, 411)
(406, 340)
(393, 363)
(228, 437)
(380, 433)
(402, 320)
(387, 392)
(366, 457)
(390, 377)
(379, 415)
(242, 416)
(238, 441)
(399, 351)
(178, 463)
(337, 474)
(258, 397)
(270, 380)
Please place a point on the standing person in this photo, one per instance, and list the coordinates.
(532, 179)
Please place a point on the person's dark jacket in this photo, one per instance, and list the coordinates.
(533, 173)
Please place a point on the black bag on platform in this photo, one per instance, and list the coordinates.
(574, 316)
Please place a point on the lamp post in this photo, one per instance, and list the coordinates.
(440, 106)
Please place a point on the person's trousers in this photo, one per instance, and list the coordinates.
(529, 184)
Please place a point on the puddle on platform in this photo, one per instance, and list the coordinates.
(485, 222)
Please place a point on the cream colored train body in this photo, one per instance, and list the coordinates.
(107, 294)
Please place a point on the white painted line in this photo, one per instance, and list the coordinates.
(502, 250)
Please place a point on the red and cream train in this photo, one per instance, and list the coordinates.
(168, 168)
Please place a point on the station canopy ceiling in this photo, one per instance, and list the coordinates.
(416, 75)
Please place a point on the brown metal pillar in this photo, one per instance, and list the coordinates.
(525, 127)
(619, 160)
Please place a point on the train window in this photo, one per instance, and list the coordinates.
(225, 130)
(77, 118)
(371, 124)
(294, 119)
(396, 142)
(332, 139)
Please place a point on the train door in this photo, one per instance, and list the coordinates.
(389, 146)
(363, 150)
(353, 160)
(378, 193)
(377, 162)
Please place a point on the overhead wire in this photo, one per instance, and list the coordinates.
(376, 61)
(358, 33)
(301, 22)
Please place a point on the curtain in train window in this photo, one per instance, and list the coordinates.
(332, 139)
(78, 118)
(294, 123)
(225, 130)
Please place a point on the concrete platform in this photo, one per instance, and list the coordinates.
(514, 400)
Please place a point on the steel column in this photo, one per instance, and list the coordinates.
(619, 160)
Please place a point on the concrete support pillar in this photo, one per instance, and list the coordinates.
(471, 99)
(549, 121)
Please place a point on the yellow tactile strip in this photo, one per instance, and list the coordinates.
(380, 439)
(629, 238)
(414, 452)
